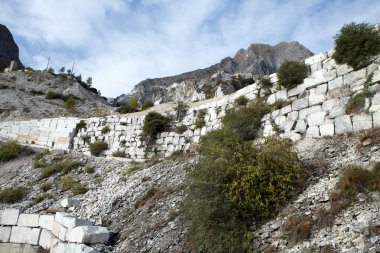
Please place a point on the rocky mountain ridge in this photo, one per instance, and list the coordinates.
(8, 48)
(257, 59)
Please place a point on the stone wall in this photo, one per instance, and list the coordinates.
(318, 105)
(55, 133)
(124, 135)
(58, 233)
(314, 108)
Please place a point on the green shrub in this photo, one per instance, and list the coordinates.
(70, 184)
(280, 104)
(148, 195)
(11, 150)
(46, 186)
(356, 103)
(97, 147)
(147, 104)
(181, 110)
(53, 95)
(70, 104)
(89, 169)
(126, 109)
(292, 73)
(67, 183)
(133, 104)
(246, 121)
(12, 195)
(36, 92)
(181, 129)
(241, 101)
(239, 82)
(81, 125)
(42, 197)
(234, 184)
(356, 44)
(48, 171)
(298, 228)
(209, 90)
(118, 154)
(154, 123)
(200, 120)
(199, 123)
(275, 174)
(3, 86)
(265, 83)
(79, 189)
(353, 180)
(105, 130)
(64, 167)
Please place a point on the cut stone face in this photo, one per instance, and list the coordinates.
(89, 235)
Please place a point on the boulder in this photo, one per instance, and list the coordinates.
(46, 221)
(300, 126)
(312, 132)
(72, 222)
(316, 118)
(25, 235)
(28, 220)
(70, 202)
(343, 124)
(46, 238)
(327, 130)
(5, 234)
(362, 122)
(89, 235)
(296, 90)
(335, 83)
(300, 104)
(316, 99)
(10, 216)
(376, 119)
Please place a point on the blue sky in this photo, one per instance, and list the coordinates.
(122, 42)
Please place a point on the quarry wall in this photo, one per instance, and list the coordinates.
(315, 108)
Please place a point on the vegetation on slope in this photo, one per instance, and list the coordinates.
(237, 182)
(356, 44)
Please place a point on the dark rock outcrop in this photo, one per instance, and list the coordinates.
(257, 59)
(8, 48)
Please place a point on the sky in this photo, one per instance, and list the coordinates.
(122, 42)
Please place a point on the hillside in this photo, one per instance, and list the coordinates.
(24, 95)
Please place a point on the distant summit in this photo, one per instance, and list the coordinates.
(257, 59)
(8, 48)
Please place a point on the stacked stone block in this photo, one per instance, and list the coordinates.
(55, 133)
(318, 107)
(58, 233)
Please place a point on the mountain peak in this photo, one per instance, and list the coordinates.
(257, 59)
(8, 48)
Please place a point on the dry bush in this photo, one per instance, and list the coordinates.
(298, 228)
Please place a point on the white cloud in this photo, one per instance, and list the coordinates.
(120, 43)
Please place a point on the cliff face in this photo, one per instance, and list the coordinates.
(257, 59)
(8, 48)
